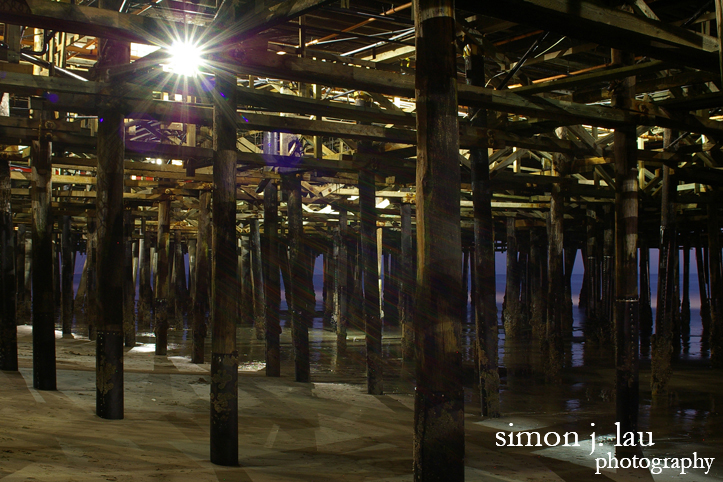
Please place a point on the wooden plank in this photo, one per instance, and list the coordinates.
(114, 25)
(589, 21)
(438, 449)
(573, 81)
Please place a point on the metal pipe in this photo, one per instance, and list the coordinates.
(357, 37)
(697, 14)
(353, 36)
(46, 65)
(522, 61)
(368, 20)
(378, 44)
(340, 95)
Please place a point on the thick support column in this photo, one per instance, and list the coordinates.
(224, 357)
(257, 270)
(538, 282)
(163, 281)
(512, 313)
(299, 328)
(111, 261)
(201, 273)
(407, 282)
(341, 307)
(483, 272)
(129, 283)
(356, 290)
(626, 260)
(68, 271)
(370, 265)
(8, 324)
(372, 318)
(716, 286)
(439, 399)
(246, 282)
(556, 293)
(145, 292)
(179, 280)
(272, 283)
(42, 274)
(662, 342)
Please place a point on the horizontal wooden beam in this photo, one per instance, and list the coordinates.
(594, 22)
(232, 25)
(574, 81)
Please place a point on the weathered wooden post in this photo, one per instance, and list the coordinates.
(291, 185)
(191, 247)
(341, 296)
(407, 282)
(328, 279)
(68, 271)
(484, 289)
(179, 280)
(257, 270)
(224, 357)
(662, 342)
(607, 285)
(702, 269)
(538, 285)
(372, 318)
(8, 325)
(271, 276)
(44, 377)
(111, 255)
(512, 313)
(145, 292)
(246, 303)
(555, 294)
(626, 259)
(646, 312)
(685, 308)
(439, 397)
(129, 283)
(201, 272)
(716, 330)
(592, 272)
(163, 287)
(91, 285)
(370, 269)
(20, 301)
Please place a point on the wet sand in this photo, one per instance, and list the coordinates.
(331, 429)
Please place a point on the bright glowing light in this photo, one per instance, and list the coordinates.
(383, 204)
(185, 59)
